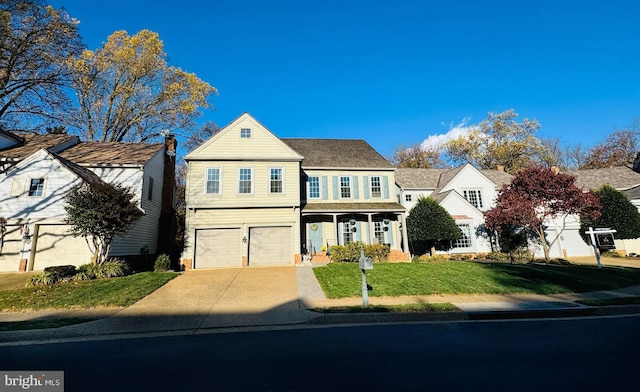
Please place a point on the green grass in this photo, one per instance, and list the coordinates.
(340, 280)
(114, 292)
(406, 308)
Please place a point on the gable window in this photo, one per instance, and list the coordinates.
(245, 180)
(213, 181)
(150, 189)
(314, 187)
(245, 133)
(345, 187)
(275, 180)
(465, 240)
(407, 198)
(376, 187)
(474, 196)
(36, 187)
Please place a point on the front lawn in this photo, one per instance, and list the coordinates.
(113, 292)
(340, 280)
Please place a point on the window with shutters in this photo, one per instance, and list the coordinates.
(376, 187)
(345, 187)
(314, 187)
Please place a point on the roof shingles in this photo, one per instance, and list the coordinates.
(337, 153)
(105, 153)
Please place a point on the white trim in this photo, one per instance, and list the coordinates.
(379, 186)
(350, 179)
(281, 180)
(309, 188)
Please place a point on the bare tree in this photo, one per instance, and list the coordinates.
(35, 41)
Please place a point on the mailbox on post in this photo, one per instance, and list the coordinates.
(365, 263)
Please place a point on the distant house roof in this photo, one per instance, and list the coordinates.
(33, 142)
(111, 153)
(343, 153)
(416, 178)
(619, 177)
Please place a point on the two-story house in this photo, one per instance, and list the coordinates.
(465, 192)
(39, 170)
(255, 199)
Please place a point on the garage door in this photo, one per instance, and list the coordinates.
(55, 246)
(218, 248)
(270, 246)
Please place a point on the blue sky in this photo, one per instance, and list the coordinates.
(397, 72)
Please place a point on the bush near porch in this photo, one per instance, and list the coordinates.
(351, 252)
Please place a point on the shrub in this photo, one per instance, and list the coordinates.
(43, 279)
(610, 253)
(162, 264)
(498, 256)
(437, 258)
(350, 253)
(87, 272)
(62, 271)
(460, 257)
(113, 268)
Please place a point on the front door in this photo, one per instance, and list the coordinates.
(314, 237)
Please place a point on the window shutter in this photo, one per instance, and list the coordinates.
(385, 187)
(335, 188)
(358, 225)
(325, 188)
(365, 181)
(356, 192)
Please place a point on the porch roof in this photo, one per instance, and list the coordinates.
(313, 208)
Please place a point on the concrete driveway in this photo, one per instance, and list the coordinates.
(213, 298)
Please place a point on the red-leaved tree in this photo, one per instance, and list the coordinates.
(538, 195)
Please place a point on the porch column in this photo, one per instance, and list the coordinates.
(405, 237)
(370, 228)
(336, 229)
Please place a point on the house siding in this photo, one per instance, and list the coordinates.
(143, 235)
(229, 196)
(360, 185)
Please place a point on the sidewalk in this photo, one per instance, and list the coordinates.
(201, 301)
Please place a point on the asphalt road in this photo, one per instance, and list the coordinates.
(600, 354)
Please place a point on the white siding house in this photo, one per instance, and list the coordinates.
(36, 173)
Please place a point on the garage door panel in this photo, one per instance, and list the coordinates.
(218, 248)
(270, 246)
(56, 246)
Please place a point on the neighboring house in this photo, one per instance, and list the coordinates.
(465, 192)
(38, 172)
(623, 179)
(254, 199)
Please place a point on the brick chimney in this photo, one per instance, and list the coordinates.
(500, 168)
(168, 224)
(555, 170)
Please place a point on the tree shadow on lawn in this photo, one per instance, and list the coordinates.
(552, 279)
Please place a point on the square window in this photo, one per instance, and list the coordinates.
(245, 133)
(314, 187)
(376, 188)
(36, 188)
(245, 180)
(465, 240)
(345, 187)
(407, 198)
(275, 180)
(474, 196)
(213, 181)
